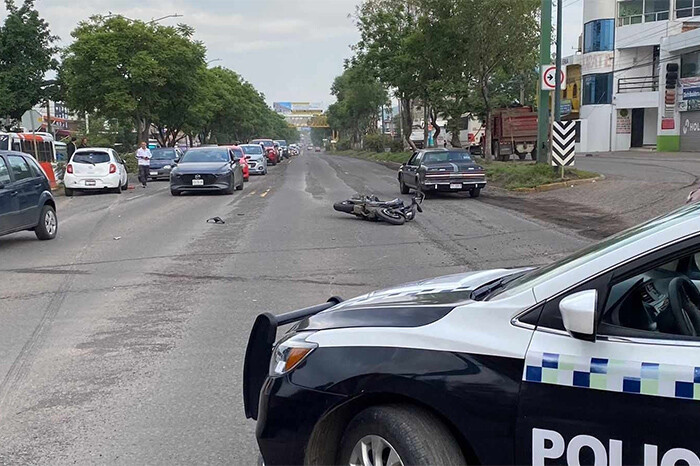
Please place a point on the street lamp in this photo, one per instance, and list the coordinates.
(175, 15)
(213, 60)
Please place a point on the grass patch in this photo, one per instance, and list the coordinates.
(397, 157)
(512, 175)
(509, 175)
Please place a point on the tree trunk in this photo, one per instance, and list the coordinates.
(407, 119)
(455, 124)
(143, 127)
(488, 154)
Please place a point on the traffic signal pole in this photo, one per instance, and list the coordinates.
(543, 103)
(557, 90)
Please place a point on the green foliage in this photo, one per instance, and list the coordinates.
(26, 55)
(344, 144)
(527, 175)
(360, 96)
(396, 145)
(377, 142)
(319, 134)
(128, 69)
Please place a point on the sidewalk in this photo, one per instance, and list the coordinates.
(639, 185)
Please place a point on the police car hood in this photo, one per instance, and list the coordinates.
(410, 305)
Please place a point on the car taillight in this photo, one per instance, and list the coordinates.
(112, 168)
(69, 169)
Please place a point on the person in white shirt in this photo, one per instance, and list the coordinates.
(143, 156)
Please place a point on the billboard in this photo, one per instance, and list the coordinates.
(298, 108)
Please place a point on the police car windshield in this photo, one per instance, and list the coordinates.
(607, 246)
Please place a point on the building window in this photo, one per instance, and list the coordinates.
(599, 35)
(597, 89)
(642, 11)
(687, 8)
(690, 65)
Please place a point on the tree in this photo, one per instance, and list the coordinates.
(500, 57)
(360, 96)
(389, 47)
(26, 55)
(125, 69)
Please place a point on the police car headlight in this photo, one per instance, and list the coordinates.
(290, 352)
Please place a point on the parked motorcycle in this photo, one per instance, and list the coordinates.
(371, 207)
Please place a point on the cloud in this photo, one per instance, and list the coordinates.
(306, 40)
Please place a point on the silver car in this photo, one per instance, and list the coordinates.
(257, 162)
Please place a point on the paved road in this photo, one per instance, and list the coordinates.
(122, 340)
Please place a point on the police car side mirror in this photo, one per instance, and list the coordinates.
(578, 311)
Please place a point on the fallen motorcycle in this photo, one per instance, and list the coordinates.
(371, 207)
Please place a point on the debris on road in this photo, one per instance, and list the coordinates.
(117, 238)
(216, 220)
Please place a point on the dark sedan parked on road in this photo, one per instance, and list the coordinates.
(26, 202)
(163, 161)
(207, 169)
(442, 170)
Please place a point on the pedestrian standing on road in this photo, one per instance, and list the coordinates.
(143, 156)
(83, 143)
(71, 147)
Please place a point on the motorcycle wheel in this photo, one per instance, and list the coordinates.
(344, 206)
(390, 216)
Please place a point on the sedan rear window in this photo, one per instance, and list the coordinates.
(90, 157)
(206, 155)
(252, 150)
(163, 154)
(447, 156)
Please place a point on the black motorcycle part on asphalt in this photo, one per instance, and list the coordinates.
(345, 206)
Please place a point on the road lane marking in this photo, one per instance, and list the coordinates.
(252, 193)
(265, 193)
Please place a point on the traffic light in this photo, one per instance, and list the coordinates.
(671, 75)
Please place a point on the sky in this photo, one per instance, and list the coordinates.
(290, 50)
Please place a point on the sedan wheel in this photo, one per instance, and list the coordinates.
(374, 450)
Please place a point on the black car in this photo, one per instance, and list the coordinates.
(163, 161)
(442, 170)
(26, 202)
(207, 169)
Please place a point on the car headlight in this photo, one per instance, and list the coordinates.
(290, 352)
(167, 167)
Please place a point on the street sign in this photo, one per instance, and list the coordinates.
(563, 143)
(548, 80)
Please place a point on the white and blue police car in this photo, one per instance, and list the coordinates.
(594, 359)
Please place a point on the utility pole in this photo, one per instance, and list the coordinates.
(557, 90)
(543, 103)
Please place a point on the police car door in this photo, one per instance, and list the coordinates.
(628, 392)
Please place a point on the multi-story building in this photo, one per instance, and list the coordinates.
(628, 48)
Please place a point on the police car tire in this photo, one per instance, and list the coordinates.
(418, 436)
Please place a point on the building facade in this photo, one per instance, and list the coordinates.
(629, 47)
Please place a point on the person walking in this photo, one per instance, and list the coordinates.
(143, 156)
(83, 143)
(71, 147)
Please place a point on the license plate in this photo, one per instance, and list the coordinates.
(90, 182)
(197, 182)
(455, 185)
(154, 173)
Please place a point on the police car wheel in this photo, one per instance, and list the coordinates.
(396, 435)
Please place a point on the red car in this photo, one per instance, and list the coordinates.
(240, 156)
(269, 147)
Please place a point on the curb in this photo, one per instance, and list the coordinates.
(558, 185)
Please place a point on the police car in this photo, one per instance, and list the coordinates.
(594, 359)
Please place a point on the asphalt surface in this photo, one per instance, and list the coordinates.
(638, 186)
(122, 340)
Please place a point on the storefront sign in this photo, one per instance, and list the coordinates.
(598, 62)
(691, 93)
(624, 122)
(566, 107)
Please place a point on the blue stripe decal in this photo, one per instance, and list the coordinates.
(638, 377)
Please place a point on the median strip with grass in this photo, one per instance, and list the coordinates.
(508, 175)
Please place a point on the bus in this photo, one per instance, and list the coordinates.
(39, 145)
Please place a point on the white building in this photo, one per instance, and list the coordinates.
(627, 48)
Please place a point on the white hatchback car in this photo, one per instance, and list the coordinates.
(95, 168)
